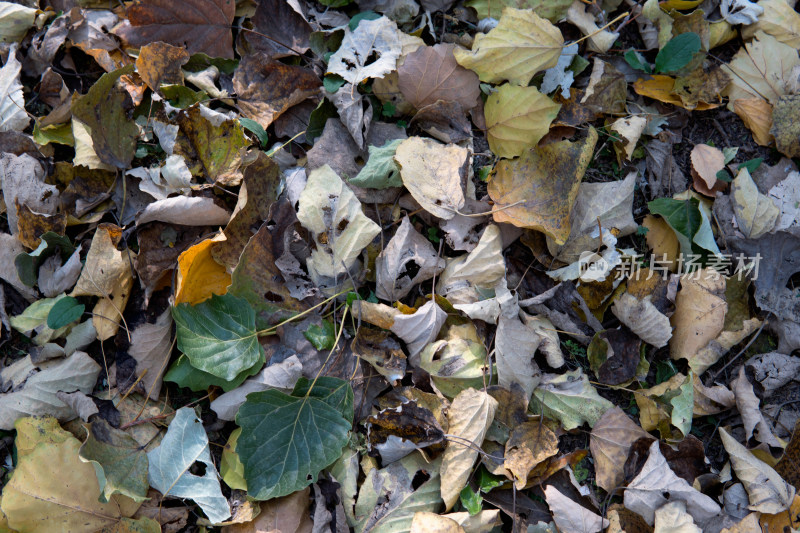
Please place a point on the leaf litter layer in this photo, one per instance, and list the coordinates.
(517, 265)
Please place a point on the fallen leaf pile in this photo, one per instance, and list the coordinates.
(399, 265)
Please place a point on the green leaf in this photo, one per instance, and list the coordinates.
(287, 440)
(488, 481)
(723, 175)
(322, 337)
(185, 375)
(28, 263)
(683, 216)
(364, 15)
(677, 53)
(318, 118)
(381, 170)
(683, 406)
(106, 110)
(185, 444)
(219, 335)
(333, 82)
(637, 61)
(471, 500)
(334, 3)
(256, 129)
(119, 461)
(65, 311)
(570, 399)
(751, 165)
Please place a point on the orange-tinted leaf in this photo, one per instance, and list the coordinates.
(661, 88)
(199, 276)
(756, 113)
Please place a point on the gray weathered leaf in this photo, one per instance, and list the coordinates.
(185, 443)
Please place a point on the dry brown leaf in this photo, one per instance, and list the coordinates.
(529, 444)
(202, 25)
(527, 195)
(159, 62)
(570, 516)
(767, 490)
(611, 438)
(755, 425)
(288, 514)
(761, 68)
(643, 318)
(431, 73)
(706, 162)
(427, 522)
(266, 88)
(700, 310)
(151, 346)
(785, 126)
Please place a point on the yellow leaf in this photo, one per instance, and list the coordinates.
(669, 5)
(662, 240)
(199, 276)
(529, 444)
(108, 311)
(517, 118)
(538, 190)
(469, 417)
(105, 266)
(53, 490)
(521, 45)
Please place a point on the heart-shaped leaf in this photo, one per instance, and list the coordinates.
(287, 439)
(219, 335)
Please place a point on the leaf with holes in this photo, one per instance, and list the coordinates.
(184, 445)
(287, 440)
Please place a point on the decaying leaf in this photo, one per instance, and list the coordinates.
(527, 196)
(571, 517)
(761, 69)
(430, 73)
(200, 25)
(755, 212)
(699, 314)
(376, 39)
(186, 442)
(649, 490)
(408, 259)
(330, 210)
